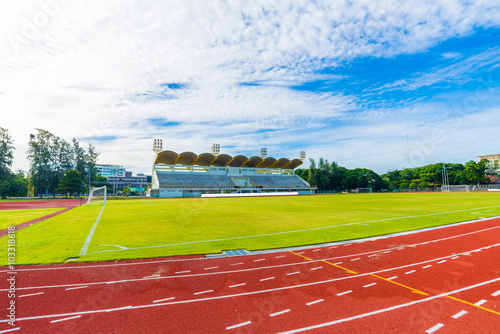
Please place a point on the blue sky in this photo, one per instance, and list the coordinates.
(380, 85)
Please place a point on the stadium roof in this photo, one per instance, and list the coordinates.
(222, 160)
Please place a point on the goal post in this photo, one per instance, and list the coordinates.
(363, 190)
(97, 194)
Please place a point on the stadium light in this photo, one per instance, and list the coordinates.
(302, 155)
(215, 149)
(157, 145)
(263, 153)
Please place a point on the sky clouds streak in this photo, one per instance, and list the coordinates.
(342, 80)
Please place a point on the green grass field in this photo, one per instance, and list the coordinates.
(166, 227)
(16, 217)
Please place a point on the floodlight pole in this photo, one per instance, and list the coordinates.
(446, 181)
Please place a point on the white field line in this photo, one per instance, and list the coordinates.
(10, 330)
(266, 279)
(442, 261)
(459, 314)
(294, 273)
(242, 270)
(65, 319)
(239, 325)
(494, 294)
(259, 292)
(295, 231)
(234, 286)
(315, 302)
(91, 233)
(31, 294)
(316, 268)
(328, 259)
(433, 329)
(391, 278)
(369, 285)
(163, 300)
(183, 272)
(427, 266)
(278, 257)
(77, 287)
(481, 302)
(201, 292)
(344, 293)
(410, 272)
(279, 313)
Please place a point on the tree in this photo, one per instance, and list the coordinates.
(475, 172)
(71, 183)
(6, 157)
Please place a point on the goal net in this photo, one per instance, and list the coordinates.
(97, 195)
(363, 190)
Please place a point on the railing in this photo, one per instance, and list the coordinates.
(184, 186)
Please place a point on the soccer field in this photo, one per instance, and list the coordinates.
(164, 227)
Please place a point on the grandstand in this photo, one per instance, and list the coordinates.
(191, 175)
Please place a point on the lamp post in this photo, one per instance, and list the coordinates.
(446, 181)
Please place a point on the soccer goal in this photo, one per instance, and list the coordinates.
(97, 194)
(363, 190)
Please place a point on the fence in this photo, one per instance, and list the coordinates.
(469, 188)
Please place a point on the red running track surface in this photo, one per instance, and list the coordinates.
(445, 280)
(39, 204)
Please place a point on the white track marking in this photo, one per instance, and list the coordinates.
(264, 291)
(119, 308)
(259, 260)
(433, 329)
(481, 302)
(31, 294)
(356, 259)
(443, 261)
(410, 272)
(459, 314)
(346, 244)
(428, 266)
(455, 257)
(278, 257)
(183, 272)
(386, 252)
(201, 292)
(339, 263)
(210, 268)
(316, 268)
(65, 319)
(279, 313)
(234, 286)
(266, 279)
(393, 277)
(10, 330)
(85, 247)
(294, 273)
(78, 287)
(300, 252)
(372, 255)
(316, 250)
(344, 293)
(237, 264)
(163, 300)
(332, 247)
(107, 266)
(494, 294)
(239, 325)
(369, 285)
(315, 302)
(152, 276)
(238, 271)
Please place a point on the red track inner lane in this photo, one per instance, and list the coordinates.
(276, 292)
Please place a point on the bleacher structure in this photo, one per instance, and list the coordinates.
(191, 175)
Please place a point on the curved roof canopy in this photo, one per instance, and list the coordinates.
(208, 159)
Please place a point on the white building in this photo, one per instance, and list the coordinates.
(110, 170)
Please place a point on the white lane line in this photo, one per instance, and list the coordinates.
(428, 266)
(120, 308)
(234, 286)
(494, 294)
(359, 316)
(392, 308)
(237, 264)
(435, 328)
(410, 272)
(315, 302)
(316, 268)
(300, 252)
(344, 293)
(278, 313)
(211, 268)
(317, 250)
(443, 261)
(372, 255)
(163, 300)
(338, 262)
(58, 320)
(294, 273)
(278, 257)
(481, 302)
(31, 294)
(259, 260)
(266, 279)
(455, 257)
(386, 252)
(459, 314)
(347, 244)
(10, 330)
(206, 291)
(78, 287)
(369, 285)
(393, 277)
(356, 259)
(239, 325)
(152, 276)
(183, 272)
(401, 248)
(332, 247)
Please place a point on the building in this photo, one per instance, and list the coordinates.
(110, 170)
(191, 175)
(493, 163)
(134, 183)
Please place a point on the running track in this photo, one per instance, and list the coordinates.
(445, 280)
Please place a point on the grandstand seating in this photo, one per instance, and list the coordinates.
(194, 180)
(292, 181)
